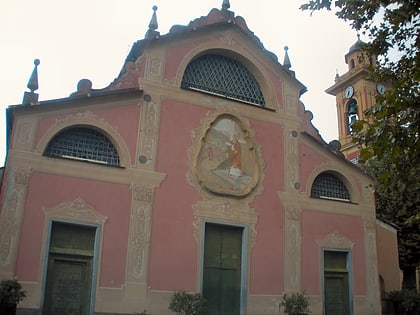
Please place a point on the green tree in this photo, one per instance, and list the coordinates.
(389, 136)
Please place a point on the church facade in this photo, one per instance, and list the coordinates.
(198, 169)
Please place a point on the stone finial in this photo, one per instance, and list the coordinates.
(225, 5)
(33, 80)
(153, 26)
(30, 98)
(286, 62)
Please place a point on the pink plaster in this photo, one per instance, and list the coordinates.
(278, 88)
(111, 200)
(309, 160)
(316, 226)
(172, 225)
(177, 54)
(267, 260)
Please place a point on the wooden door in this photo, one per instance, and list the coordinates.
(222, 269)
(69, 273)
(68, 286)
(336, 283)
(336, 294)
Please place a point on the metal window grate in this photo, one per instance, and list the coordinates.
(329, 186)
(223, 76)
(84, 144)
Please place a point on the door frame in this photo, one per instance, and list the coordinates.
(244, 259)
(94, 260)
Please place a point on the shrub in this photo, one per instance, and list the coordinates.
(405, 302)
(295, 304)
(11, 292)
(184, 303)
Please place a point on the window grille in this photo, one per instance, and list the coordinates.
(84, 144)
(328, 186)
(223, 76)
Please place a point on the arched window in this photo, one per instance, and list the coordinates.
(85, 144)
(223, 76)
(352, 114)
(329, 186)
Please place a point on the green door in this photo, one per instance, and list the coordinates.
(336, 294)
(222, 269)
(336, 283)
(69, 272)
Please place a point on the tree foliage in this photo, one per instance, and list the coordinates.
(389, 136)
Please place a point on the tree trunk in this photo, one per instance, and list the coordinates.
(409, 278)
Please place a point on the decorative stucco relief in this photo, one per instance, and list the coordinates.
(22, 176)
(140, 239)
(85, 116)
(142, 193)
(293, 248)
(148, 132)
(290, 104)
(140, 231)
(75, 210)
(224, 159)
(228, 39)
(292, 160)
(8, 226)
(371, 264)
(226, 211)
(368, 191)
(155, 67)
(335, 240)
(24, 135)
(11, 215)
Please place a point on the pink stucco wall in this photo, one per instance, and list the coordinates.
(267, 256)
(110, 200)
(172, 223)
(309, 160)
(316, 226)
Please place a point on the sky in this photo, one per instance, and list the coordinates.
(91, 39)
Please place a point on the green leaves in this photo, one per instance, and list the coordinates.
(183, 303)
(295, 304)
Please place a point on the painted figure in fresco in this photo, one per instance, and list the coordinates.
(235, 157)
(225, 163)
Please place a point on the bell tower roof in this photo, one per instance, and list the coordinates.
(357, 46)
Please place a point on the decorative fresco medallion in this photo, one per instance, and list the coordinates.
(226, 161)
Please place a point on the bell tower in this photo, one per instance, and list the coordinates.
(354, 94)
